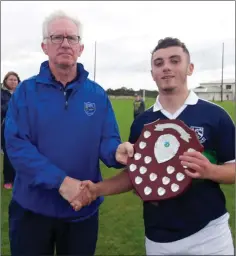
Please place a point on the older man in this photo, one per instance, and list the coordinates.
(195, 223)
(58, 126)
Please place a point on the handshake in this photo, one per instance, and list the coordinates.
(81, 193)
(78, 193)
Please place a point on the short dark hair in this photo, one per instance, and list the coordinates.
(168, 42)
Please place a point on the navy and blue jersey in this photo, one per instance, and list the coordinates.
(54, 131)
(174, 219)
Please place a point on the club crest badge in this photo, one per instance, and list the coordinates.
(199, 132)
(89, 108)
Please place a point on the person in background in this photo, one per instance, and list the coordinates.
(10, 81)
(59, 125)
(139, 105)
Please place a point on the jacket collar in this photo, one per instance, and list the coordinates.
(45, 75)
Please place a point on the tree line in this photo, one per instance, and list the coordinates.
(123, 91)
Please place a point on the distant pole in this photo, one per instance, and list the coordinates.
(95, 60)
(222, 73)
(143, 94)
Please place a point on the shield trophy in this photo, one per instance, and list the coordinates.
(155, 169)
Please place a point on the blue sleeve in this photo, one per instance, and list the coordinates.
(23, 154)
(225, 147)
(110, 139)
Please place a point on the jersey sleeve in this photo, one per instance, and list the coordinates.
(225, 146)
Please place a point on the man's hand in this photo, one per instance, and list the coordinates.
(124, 151)
(89, 193)
(198, 163)
(72, 189)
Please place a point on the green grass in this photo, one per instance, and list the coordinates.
(121, 226)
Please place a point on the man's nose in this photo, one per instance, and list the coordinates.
(166, 67)
(65, 43)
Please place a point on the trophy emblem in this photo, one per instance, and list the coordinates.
(155, 169)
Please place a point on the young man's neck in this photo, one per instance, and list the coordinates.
(64, 74)
(172, 101)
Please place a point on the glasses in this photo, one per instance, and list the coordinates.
(58, 39)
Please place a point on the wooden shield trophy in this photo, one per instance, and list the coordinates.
(155, 170)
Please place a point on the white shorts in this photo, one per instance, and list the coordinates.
(214, 239)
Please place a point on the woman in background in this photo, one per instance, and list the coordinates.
(10, 81)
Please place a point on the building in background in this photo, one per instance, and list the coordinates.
(212, 90)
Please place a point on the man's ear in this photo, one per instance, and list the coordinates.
(44, 48)
(81, 49)
(190, 69)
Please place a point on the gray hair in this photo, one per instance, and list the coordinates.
(57, 15)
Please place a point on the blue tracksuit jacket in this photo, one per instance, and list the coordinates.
(54, 131)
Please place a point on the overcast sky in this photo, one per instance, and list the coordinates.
(125, 32)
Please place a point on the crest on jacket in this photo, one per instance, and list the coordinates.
(89, 108)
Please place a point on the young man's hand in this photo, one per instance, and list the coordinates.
(89, 192)
(123, 152)
(198, 166)
(71, 189)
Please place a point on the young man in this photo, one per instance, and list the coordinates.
(195, 223)
(58, 126)
(139, 106)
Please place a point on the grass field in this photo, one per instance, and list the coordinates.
(121, 225)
